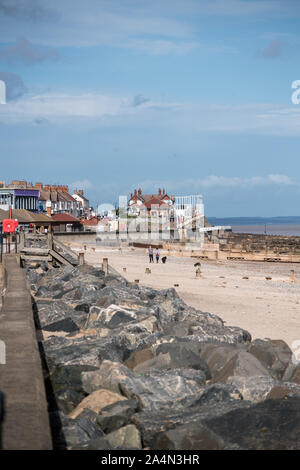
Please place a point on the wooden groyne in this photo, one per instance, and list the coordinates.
(26, 423)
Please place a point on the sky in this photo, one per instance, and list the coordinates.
(194, 96)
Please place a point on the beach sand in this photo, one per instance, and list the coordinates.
(266, 308)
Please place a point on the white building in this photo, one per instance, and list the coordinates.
(85, 203)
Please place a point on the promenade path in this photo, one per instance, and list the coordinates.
(26, 422)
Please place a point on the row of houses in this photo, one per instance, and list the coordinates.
(66, 211)
(47, 199)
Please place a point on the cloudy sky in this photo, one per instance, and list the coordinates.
(191, 95)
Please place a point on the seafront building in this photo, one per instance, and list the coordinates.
(144, 205)
(19, 198)
(46, 199)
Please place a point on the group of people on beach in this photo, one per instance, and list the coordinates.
(157, 255)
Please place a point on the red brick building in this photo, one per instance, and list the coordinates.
(150, 204)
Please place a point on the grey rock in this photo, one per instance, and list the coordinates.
(152, 390)
(226, 361)
(72, 432)
(295, 376)
(254, 388)
(275, 355)
(66, 325)
(176, 355)
(270, 425)
(127, 437)
(66, 384)
(117, 415)
(208, 402)
(48, 312)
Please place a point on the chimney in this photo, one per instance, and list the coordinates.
(49, 211)
(164, 192)
(131, 196)
(39, 185)
(159, 191)
(139, 192)
(135, 196)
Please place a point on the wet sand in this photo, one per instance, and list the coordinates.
(266, 308)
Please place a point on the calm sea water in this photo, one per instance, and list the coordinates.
(285, 230)
(289, 226)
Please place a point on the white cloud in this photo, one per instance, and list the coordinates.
(191, 117)
(213, 181)
(252, 181)
(280, 179)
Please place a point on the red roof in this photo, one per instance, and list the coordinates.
(65, 218)
(92, 221)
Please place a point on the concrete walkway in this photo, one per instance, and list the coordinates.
(26, 423)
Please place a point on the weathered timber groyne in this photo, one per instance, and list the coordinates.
(26, 422)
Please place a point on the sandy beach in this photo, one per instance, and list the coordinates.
(238, 292)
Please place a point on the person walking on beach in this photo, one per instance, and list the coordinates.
(157, 255)
(150, 251)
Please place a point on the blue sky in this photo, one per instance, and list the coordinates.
(190, 95)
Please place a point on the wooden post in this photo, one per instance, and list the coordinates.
(198, 272)
(22, 240)
(105, 266)
(81, 258)
(292, 276)
(50, 241)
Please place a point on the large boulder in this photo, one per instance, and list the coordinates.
(270, 425)
(96, 401)
(139, 356)
(275, 355)
(254, 388)
(57, 315)
(73, 432)
(227, 361)
(66, 384)
(117, 415)
(127, 437)
(152, 390)
(295, 377)
(175, 355)
(208, 402)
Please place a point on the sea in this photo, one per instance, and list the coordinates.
(286, 226)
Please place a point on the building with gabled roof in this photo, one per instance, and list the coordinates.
(150, 204)
(84, 202)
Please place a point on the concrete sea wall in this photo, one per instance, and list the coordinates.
(26, 423)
